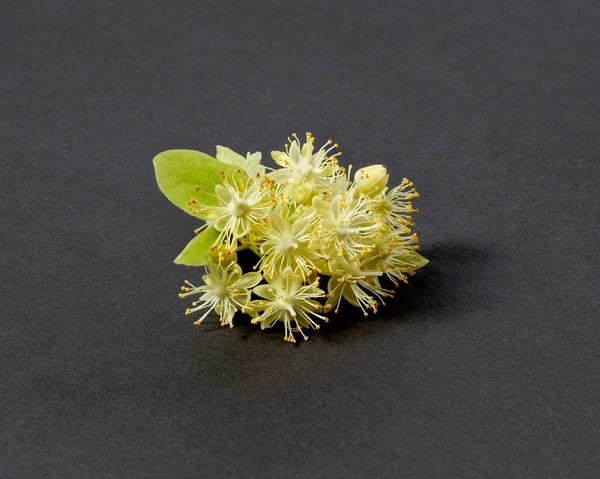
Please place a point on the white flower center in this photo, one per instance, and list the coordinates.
(220, 291)
(287, 301)
(343, 230)
(287, 242)
(305, 170)
(238, 207)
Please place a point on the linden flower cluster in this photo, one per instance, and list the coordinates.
(320, 233)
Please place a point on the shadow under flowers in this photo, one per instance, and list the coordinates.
(456, 278)
(459, 277)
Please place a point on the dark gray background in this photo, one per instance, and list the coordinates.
(487, 365)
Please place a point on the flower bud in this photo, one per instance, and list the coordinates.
(303, 193)
(371, 180)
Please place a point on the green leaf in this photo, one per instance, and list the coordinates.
(194, 253)
(183, 174)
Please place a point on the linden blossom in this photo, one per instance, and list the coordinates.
(290, 301)
(225, 290)
(241, 206)
(300, 164)
(354, 282)
(304, 220)
(346, 225)
(304, 173)
(285, 239)
(394, 206)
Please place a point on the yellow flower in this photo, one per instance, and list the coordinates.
(395, 206)
(284, 241)
(357, 284)
(346, 225)
(303, 171)
(225, 290)
(288, 300)
(241, 205)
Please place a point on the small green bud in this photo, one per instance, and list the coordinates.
(303, 193)
(371, 180)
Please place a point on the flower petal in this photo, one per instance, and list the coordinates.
(265, 291)
(223, 194)
(280, 157)
(349, 295)
(249, 280)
